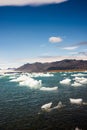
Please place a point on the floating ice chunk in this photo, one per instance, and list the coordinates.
(65, 81)
(49, 89)
(79, 74)
(81, 80)
(78, 101)
(60, 105)
(76, 84)
(46, 106)
(32, 83)
(42, 75)
(84, 81)
(26, 80)
(20, 79)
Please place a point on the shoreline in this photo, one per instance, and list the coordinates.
(68, 70)
(51, 71)
(55, 71)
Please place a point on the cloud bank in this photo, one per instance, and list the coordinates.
(29, 2)
(82, 43)
(55, 39)
(70, 48)
(44, 59)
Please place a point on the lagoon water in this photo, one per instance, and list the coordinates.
(21, 98)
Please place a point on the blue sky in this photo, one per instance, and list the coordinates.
(41, 31)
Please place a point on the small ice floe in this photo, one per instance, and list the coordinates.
(77, 128)
(42, 75)
(76, 84)
(65, 81)
(25, 80)
(79, 78)
(20, 78)
(32, 83)
(49, 89)
(60, 105)
(84, 81)
(79, 74)
(79, 81)
(46, 107)
(78, 101)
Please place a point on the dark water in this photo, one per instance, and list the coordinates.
(20, 106)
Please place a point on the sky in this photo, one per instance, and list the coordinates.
(42, 31)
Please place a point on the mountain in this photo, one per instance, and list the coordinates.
(54, 66)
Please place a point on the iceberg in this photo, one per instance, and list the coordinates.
(60, 105)
(78, 101)
(76, 84)
(79, 81)
(42, 75)
(49, 89)
(20, 78)
(46, 106)
(32, 83)
(79, 74)
(65, 81)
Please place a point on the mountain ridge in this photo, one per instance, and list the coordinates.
(66, 64)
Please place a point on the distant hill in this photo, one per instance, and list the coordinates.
(54, 66)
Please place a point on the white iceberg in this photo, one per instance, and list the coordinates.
(32, 83)
(79, 81)
(25, 80)
(49, 89)
(78, 101)
(42, 75)
(66, 81)
(79, 74)
(76, 84)
(20, 78)
(84, 81)
(60, 105)
(46, 106)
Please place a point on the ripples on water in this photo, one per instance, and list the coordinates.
(20, 106)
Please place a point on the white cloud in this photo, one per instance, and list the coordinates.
(70, 48)
(55, 39)
(73, 53)
(29, 2)
(44, 59)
